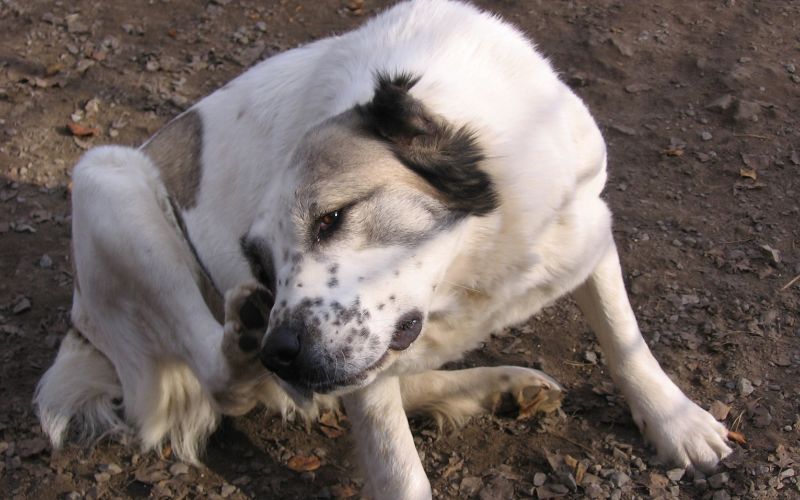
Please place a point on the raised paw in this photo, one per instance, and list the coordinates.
(684, 435)
(247, 310)
(523, 390)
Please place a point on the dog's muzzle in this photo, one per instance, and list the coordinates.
(289, 353)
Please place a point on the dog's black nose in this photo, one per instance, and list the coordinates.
(281, 349)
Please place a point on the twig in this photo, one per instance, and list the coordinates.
(570, 441)
(791, 282)
(754, 136)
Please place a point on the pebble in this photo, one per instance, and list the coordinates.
(499, 488)
(620, 479)
(22, 305)
(178, 468)
(539, 478)
(590, 357)
(746, 111)
(721, 103)
(594, 491)
(227, 490)
(706, 135)
(717, 481)
(745, 387)
(111, 468)
(45, 262)
(719, 410)
(675, 475)
(470, 486)
(721, 495)
(102, 477)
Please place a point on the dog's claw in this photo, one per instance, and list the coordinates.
(525, 391)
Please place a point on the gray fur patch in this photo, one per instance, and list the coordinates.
(176, 151)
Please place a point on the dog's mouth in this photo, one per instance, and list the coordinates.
(303, 390)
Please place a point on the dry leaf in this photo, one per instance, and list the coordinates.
(343, 491)
(329, 425)
(673, 152)
(546, 400)
(79, 130)
(302, 463)
(748, 172)
(737, 437)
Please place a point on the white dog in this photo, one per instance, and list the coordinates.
(351, 214)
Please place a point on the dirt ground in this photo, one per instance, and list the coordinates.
(700, 105)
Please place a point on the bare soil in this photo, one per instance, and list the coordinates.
(699, 103)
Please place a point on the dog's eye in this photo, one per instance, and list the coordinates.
(327, 224)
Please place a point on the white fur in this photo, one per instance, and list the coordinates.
(140, 307)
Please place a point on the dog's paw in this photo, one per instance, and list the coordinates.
(247, 310)
(685, 435)
(524, 391)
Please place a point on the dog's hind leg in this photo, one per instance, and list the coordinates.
(454, 396)
(681, 431)
(138, 302)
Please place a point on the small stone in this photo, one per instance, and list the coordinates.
(102, 477)
(242, 480)
(75, 25)
(675, 475)
(746, 111)
(745, 387)
(624, 130)
(178, 468)
(22, 305)
(620, 479)
(590, 357)
(636, 88)
(773, 253)
(722, 103)
(111, 468)
(539, 478)
(719, 410)
(706, 135)
(227, 490)
(45, 262)
(717, 481)
(657, 481)
(499, 488)
(470, 486)
(721, 495)
(594, 491)
(30, 447)
(568, 480)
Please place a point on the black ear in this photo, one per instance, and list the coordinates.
(447, 157)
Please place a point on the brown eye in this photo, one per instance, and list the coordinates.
(327, 224)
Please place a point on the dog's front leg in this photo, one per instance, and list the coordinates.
(386, 450)
(681, 431)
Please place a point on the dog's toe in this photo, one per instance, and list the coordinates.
(691, 438)
(525, 391)
(247, 310)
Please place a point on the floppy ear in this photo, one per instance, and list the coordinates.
(447, 157)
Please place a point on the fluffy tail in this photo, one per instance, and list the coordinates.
(81, 386)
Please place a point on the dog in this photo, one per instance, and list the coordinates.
(337, 223)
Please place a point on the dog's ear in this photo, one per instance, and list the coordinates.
(447, 157)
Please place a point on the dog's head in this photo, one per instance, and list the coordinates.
(368, 224)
